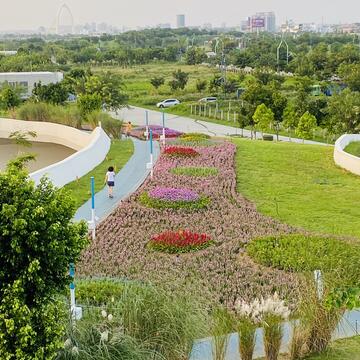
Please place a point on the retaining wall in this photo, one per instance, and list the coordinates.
(344, 159)
(91, 148)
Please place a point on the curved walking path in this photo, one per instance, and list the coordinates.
(127, 181)
(185, 124)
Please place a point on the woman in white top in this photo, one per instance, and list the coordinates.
(110, 181)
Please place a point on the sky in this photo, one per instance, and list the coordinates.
(31, 14)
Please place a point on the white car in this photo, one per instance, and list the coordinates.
(208, 99)
(168, 103)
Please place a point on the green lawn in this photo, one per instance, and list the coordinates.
(353, 148)
(300, 185)
(348, 349)
(119, 154)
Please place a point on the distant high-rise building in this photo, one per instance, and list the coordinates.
(263, 21)
(180, 21)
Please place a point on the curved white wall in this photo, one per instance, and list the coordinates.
(91, 148)
(344, 159)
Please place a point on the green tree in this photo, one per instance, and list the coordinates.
(55, 94)
(89, 103)
(38, 241)
(9, 98)
(157, 81)
(179, 81)
(263, 117)
(344, 113)
(350, 73)
(306, 126)
(195, 56)
(201, 85)
(290, 117)
(21, 138)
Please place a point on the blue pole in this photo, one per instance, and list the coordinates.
(151, 142)
(92, 193)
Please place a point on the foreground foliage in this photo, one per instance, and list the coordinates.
(38, 240)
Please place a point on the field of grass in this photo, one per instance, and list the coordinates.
(353, 148)
(119, 154)
(348, 349)
(299, 185)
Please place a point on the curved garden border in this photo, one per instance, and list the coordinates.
(343, 159)
(92, 148)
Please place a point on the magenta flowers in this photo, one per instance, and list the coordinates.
(173, 194)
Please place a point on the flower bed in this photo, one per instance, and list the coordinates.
(172, 198)
(221, 273)
(157, 132)
(180, 152)
(195, 171)
(181, 241)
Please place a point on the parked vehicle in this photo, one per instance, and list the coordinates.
(208, 99)
(168, 103)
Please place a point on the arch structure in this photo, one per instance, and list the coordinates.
(62, 29)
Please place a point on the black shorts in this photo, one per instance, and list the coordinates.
(111, 183)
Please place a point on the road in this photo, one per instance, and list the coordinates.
(184, 124)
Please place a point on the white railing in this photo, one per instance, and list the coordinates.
(342, 158)
(92, 148)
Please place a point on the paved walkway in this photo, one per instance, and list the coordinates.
(127, 181)
(184, 124)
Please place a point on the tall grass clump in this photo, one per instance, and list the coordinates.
(65, 115)
(221, 326)
(113, 127)
(141, 322)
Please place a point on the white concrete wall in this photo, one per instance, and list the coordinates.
(344, 159)
(91, 148)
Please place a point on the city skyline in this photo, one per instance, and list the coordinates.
(136, 14)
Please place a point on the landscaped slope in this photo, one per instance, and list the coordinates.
(206, 205)
(299, 185)
(353, 148)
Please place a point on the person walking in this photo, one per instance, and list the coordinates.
(128, 129)
(110, 181)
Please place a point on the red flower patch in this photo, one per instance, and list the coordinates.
(178, 151)
(181, 241)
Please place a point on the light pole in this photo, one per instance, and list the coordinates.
(146, 124)
(92, 222)
(150, 165)
(162, 137)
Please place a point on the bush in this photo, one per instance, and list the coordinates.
(299, 253)
(195, 171)
(267, 137)
(111, 126)
(99, 292)
(146, 200)
(195, 136)
(182, 241)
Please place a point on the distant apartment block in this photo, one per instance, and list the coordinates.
(27, 80)
(262, 21)
(180, 21)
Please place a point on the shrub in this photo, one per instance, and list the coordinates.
(195, 171)
(179, 241)
(267, 137)
(156, 203)
(99, 292)
(307, 253)
(178, 152)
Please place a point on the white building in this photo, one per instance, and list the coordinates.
(263, 21)
(27, 80)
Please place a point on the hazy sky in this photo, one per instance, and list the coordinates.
(30, 14)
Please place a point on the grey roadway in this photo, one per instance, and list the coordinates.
(184, 124)
(127, 181)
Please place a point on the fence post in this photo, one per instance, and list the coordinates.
(234, 116)
(222, 114)
(209, 111)
(228, 116)
(191, 109)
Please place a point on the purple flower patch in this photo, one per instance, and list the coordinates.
(173, 194)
